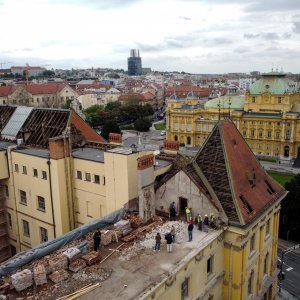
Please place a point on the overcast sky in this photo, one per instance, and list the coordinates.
(198, 36)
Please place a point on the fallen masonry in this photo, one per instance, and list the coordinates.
(74, 266)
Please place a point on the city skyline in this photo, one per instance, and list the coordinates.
(191, 36)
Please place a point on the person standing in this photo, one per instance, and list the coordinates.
(157, 242)
(169, 240)
(206, 223)
(212, 220)
(199, 221)
(172, 212)
(190, 231)
(173, 233)
(188, 214)
(97, 240)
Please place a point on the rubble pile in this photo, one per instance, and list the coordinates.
(72, 254)
(77, 265)
(92, 257)
(22, 280)
(59, 276)
(124, 226)
(39, 274)
(136, 221)
(180, 233)
(106, 237)
(58, 262)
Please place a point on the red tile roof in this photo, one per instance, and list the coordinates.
(242, 166)
(34, 89)
(241, 184)
(182, 91)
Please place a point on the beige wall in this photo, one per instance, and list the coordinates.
(4, 165)
(202, 285)
(90, 197)
(178, 186)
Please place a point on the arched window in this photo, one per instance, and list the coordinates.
(175, 138)
(188, 140)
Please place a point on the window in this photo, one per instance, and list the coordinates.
(41, 203)
(209, 266)
(6, 191)
(244, 133)
(250, 280)
(35, 172)
(97, 179)
(87, 176)
(26, 230)
(253, 99)
(16, 168)
(279, 99)
(24, 170)
(9, 220)
(268, 227)
(260, 134)
(44, 234)
(252, 133)
(287, 135)
(23, 198)
(185, 289)
(252, 243)
(79, 175)
(277, 135)
(44, 175)
(103, 180)
(269, 134)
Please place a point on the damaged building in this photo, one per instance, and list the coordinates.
(65, 179)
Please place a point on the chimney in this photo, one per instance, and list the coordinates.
(145, 166)
(57, 148)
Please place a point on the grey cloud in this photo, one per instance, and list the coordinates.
(296, 27)
(185, 18)
(272, 5)
(99, 4)
(268, 36)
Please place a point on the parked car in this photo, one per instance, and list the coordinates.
(163, 133)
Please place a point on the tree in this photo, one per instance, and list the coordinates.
(110, 126)
(290, 210)
(142, 124)
(48, 73)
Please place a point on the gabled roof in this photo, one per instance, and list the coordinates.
(37, 125)
(240, 183)
(34, 89)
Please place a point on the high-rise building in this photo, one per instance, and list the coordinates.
(134, 63)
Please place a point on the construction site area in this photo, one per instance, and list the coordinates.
(126, 267)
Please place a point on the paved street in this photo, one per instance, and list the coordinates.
(281, 168)
(291, 267)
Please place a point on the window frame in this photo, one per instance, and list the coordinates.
(98, 180)
(24, 170)
(35, 172)
(23, 195)
(79, 177)
(24, 222)
(44, 232)
(41, 199)
(87, 176)
(44, 175)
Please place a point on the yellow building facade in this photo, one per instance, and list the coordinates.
(267, 117)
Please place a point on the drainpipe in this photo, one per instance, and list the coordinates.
(9, 156)
(51, 197)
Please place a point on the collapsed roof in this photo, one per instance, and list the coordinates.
(37, 125)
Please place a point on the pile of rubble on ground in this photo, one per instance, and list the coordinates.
(75, 262)
(148, 240)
